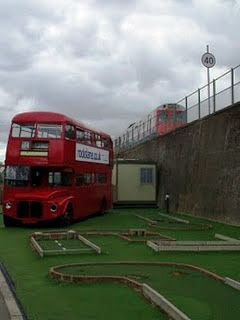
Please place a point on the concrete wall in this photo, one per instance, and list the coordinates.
(199, 165)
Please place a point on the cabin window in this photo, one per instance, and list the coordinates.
(70, 132)
(23, 131)
(146, 176)
(49, 131)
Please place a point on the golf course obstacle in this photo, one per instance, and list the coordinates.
(130, 235)
(83, 245)
(41, 241)
(159, 224)
(232, 283)
(174, 218)
(194, 245)
(226, 238)
(65, 273)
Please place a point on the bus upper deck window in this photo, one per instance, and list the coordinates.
(106, 143)
(98, 140)
(80, 134)
(87, 137)
(23, 130)
(49, 131)
(70, 132)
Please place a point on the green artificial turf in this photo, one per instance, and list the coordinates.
(45, 299)
(184, 287)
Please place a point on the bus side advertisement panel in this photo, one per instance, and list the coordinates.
(91, 154)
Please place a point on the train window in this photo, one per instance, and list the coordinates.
(181, 116)
(162, 116)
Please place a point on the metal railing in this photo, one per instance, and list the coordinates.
(224, 91)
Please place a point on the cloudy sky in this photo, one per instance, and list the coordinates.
(109, 62)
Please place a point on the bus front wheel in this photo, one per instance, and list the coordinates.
(67, 218)
(8, 221)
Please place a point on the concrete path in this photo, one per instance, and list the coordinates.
(4, 315)
(9, 309)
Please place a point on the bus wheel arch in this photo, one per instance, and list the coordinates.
(67, 218)
(103, 207)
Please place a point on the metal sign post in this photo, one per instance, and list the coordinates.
(208, 60)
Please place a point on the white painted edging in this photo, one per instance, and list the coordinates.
(146, 219)
(13, 309)
(90, 244)
(37, 247)
(152, 245)
(221, 236)
(173, 218)
(233, 283)
(163, 303)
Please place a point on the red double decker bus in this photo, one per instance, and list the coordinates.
(56, 169)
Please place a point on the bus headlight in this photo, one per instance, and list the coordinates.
(53, 207)
(8, 205)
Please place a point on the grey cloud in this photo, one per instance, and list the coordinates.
(113, 63)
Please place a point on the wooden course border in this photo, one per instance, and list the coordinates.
(196, 226)
(78, 234)
(150, 294)
(64, 235)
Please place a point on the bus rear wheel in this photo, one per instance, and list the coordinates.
(103, 207)
(67, 218)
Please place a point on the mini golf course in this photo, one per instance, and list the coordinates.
(193, 281)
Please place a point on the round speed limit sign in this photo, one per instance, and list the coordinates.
(208, 60)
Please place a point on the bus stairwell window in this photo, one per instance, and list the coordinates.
(70, 132)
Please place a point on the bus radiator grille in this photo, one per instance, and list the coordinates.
(29, 209)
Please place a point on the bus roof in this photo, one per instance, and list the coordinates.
(50, 117)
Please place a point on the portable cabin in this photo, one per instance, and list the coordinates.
(134, 182)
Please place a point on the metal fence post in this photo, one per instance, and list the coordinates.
(214, 95)
(186, 107)
(199, 104)
(232, 84)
